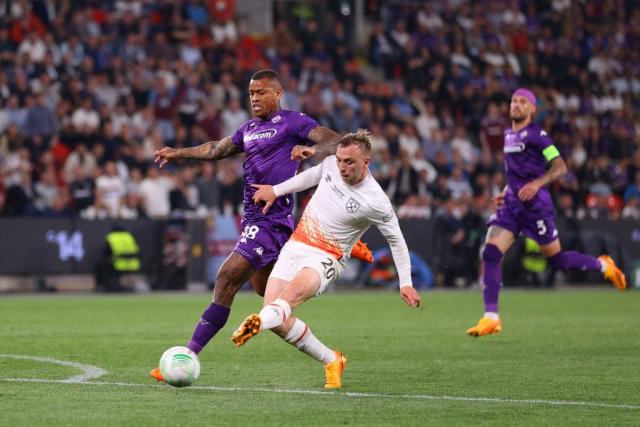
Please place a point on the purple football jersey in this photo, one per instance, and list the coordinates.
(524, 162)
(267, 144)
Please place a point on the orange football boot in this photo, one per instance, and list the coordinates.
(333, 371)
(361, 251)
(250, 327)
(612, 273)
(156, 375)
(485, 326)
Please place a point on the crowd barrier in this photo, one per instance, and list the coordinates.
(194, 248)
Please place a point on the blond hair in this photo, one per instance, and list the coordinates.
(359, 138)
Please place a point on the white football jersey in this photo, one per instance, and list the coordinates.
(338, 214)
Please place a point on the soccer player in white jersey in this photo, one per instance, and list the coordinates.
(346, 203)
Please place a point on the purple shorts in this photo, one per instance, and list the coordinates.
(516, 218)
(260, 241)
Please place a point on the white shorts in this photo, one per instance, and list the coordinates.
(295, 256)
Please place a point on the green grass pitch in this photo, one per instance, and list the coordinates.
(563, 358)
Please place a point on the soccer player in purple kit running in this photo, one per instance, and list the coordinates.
(274, 142)
(525, 206)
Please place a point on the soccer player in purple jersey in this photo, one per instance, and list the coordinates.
(525, 206)
(274, 142)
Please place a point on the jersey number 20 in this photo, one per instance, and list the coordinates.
(329, 270)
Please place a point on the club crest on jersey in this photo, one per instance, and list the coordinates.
(261, 134)
(352, 205)
(276, 119)
(517, 147)
(523, 134)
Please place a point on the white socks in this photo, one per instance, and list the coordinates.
(491, 315)
(301, 337)
(275, 314)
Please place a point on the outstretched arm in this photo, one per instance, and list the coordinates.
(388, 225)
(556, 170)
(324, 144)
(212, 150)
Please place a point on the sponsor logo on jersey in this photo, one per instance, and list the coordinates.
(352, 205)
(337, 191)
(388, 217)
(261, 134)
(517, 147)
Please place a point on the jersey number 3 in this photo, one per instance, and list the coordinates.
(542, 229)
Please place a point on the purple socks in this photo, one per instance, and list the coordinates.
(491, 277)
(212, 320)
(574, 260)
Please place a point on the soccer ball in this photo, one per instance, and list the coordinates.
(179, 366)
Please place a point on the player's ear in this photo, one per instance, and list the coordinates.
(278, 91)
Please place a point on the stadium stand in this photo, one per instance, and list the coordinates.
(88, 91)
(83, 106)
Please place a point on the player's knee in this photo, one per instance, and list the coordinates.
(491, 253)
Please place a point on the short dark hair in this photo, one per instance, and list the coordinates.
(359, 138)
(266, 74)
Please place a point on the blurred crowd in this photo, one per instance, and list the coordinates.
(90, 89)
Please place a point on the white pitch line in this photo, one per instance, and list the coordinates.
(350, 394)
(90, 371)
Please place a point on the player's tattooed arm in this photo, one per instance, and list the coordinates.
(557, 168)
(212, 150)
(324, 144)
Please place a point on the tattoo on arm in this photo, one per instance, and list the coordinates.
(556, 170)
(324, 139)
(212, 150)
(495, 231)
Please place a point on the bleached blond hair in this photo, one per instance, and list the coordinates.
(359, 138)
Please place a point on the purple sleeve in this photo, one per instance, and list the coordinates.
(302, 125)
(237, 138)
(542, 140)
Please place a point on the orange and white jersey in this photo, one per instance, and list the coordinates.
(338, 214)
